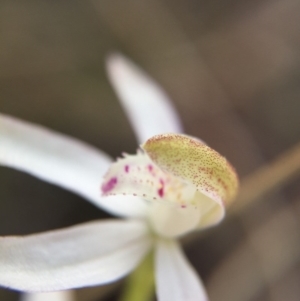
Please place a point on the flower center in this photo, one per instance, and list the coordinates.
(185, 183)
(173, 209)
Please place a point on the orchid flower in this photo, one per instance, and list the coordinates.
(173, 185)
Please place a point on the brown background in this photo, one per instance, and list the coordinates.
(232, 69)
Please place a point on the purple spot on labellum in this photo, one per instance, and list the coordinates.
(150, 167)
(160, 192)
(126, 168)
(109, 185)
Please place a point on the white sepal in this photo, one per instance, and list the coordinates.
(147, 106)
(89, 254)
(176, 279)
(58, 159)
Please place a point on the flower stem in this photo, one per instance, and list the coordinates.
(139, 286)
(268, 178)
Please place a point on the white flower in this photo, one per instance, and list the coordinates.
(175, 185)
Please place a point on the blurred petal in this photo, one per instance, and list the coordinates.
(176, 280)
(148, 107)
(52, 296)
(85, 255)
(57, 159)
(53, 157)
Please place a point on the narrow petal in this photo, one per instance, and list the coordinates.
(52, 157)
(85, 255)
(148, 107)
(57, 159)
(176, 280)
(52, 296)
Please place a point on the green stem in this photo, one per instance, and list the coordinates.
(139, 286)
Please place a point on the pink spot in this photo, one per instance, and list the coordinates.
(183, 206)
(126, 168)
(150, 167)
(160, 192)
(108, 186)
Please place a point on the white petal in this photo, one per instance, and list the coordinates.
(52, 296)
(172, 221)
(130, 206)
(137, 175)
(57, 159)
(148, 107)
(176, 280)
(133, 175)
(211, 212)
(85, 255)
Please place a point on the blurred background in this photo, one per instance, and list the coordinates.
(232, 69)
